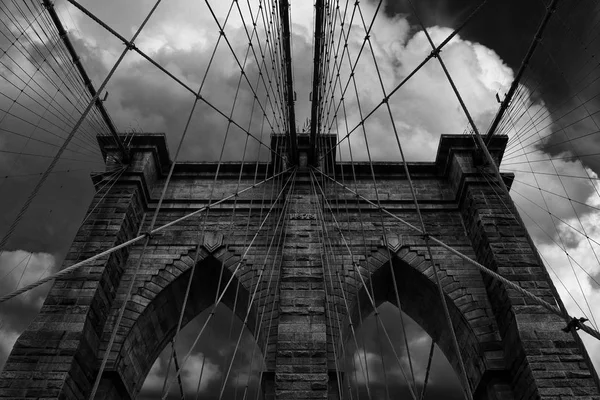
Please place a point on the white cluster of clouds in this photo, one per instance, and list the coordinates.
(573, 269)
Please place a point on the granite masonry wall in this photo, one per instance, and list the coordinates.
(322, 262)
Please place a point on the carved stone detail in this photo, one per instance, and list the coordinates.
(212, 241)
(393, 241)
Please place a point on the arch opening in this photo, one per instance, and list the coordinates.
(421, 303)
(382, 368)
(148, 341)
(206, 371)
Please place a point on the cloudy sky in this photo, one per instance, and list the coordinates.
(552, 126)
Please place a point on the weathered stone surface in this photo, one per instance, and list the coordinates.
(310, 281)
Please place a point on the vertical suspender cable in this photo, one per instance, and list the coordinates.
(289, 85)
(316, 87)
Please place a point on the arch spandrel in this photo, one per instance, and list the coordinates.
(152, 313)
(473, 321)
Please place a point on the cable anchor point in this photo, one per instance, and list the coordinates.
(574, 324)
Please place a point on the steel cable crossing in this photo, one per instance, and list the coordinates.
(554, 120)
(166, 72)
(412, 388)
(560, 236)
(399, 85)
(555, 310)
(466, 384)
(136, 239)
(352, 77)
(216, 175)
(129, 46)
(60, 112)
(441, 292)
(496, 189)
(233, 274)
(41, 28)
(61, 150)
(155, 216)
(148, 235)
(535, 124)
(365, 249)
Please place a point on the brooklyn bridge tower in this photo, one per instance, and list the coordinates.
(307, 234)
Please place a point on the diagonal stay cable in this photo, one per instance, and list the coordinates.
(254, 35)
(360, 52)
(327, 271)
(259, 321)
(165, 71)
(410, 75)
(251, 37)
(370, 297)
(560, 310)
(382, 222)
(233, 273)
(557, 194)
(326, 267)
(562, 247)
(60, 151)
(557, 231)
(427, 370)
(46, 59)
(325, 260)
(258, 284)
(212, 190)
(270, 42)
(413, 192)
(338, 61)
(539, 301)
(136, 239)
(551, 174)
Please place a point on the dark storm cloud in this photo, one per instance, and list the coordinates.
(38, 113)
(506, 26)
(562, 72)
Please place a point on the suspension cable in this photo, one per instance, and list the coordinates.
(136, 239)
(537, 300)
(234, 272)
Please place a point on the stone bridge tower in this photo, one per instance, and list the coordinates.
(511, 348)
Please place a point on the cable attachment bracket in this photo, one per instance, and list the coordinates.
(574, 324)
(435, 53)
(148, 235)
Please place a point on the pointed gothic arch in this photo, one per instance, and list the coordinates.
(154, 315)
(471, 316)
